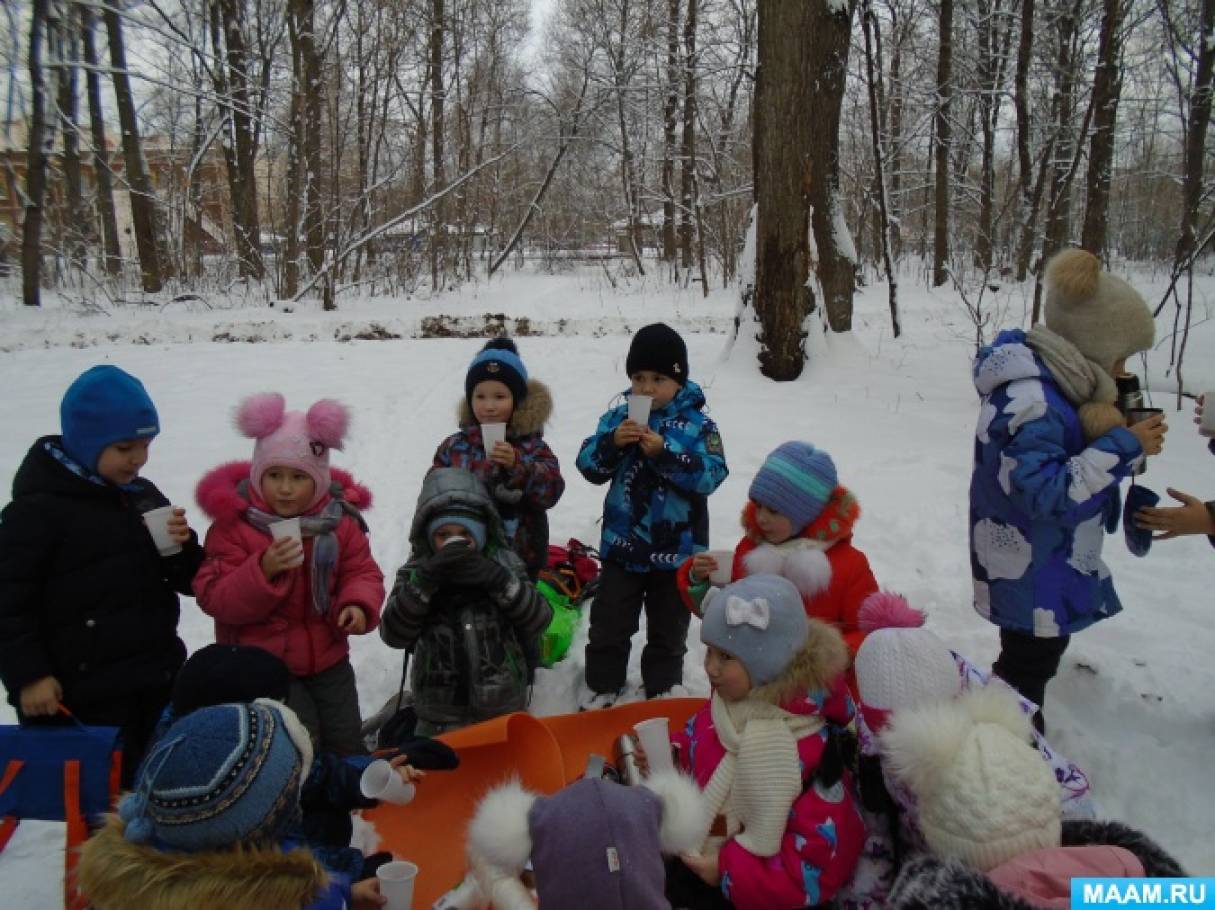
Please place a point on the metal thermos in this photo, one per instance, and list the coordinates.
(626, 760)
(1130, 396)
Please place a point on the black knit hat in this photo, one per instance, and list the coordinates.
(499, 360)
(222, 674)
(658, 347)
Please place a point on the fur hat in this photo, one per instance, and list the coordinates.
(499, 360)
(219, 674)
(797, 481)
(220, 777)
(1100, 314)
(471, 522)
(660, 348)
(617, 859)
(758, 619)
(900, 664)
(985, 794)
(292, 439)
(102, 406)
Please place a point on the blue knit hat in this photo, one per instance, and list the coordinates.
(499, 360)
(760, 620)
(796, 480)
(103, 406)
(219, 777)
(470, 522)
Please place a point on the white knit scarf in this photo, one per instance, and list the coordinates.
(1081, 380)
(759, 778)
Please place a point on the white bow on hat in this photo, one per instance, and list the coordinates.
(755, 613)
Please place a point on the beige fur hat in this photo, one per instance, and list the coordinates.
(1100, 314)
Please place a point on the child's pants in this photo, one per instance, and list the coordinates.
(328, 706)
(615, 617)
(1028, 663)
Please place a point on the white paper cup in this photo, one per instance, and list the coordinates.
(492, 434)
(1207, 426)
(639, 408)
(655, 736)
(157, 521)
(725, 567)
(381, 781)
(396, 883)
(289, 527)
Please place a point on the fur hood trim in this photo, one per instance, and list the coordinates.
(833, 524)
(527, 419)
(814, 668)
(218, 495)
(116, 874)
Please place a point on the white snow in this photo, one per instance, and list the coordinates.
(1133, 702)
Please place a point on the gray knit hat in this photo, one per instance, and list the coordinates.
(760, 620)
(1100, 314)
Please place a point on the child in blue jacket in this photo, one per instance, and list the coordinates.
(655, 516)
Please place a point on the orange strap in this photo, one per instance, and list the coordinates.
(115, 777)
(8, 825)
(10, 772)
(77, 834)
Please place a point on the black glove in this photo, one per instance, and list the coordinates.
(481, 572)
(450, 563)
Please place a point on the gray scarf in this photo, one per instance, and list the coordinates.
(1081, 380)
(320, 527)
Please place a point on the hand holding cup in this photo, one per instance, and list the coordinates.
(503, 454)
(282, 554)
(1150, 432)
(628, 433)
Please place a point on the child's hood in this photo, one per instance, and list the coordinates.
(1006, 360)
(221, 492)
(119, 875)
(527, 419)
(444, 489)
(833, 524)
(811, 674)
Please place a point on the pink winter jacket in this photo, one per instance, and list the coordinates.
(278, 616)
(825, 834)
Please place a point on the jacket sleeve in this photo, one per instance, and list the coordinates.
(859, 583)
(180, 568)
(538, 474)
(443, 457)
(1048, 485)
(408, 608)
(360, 581)
(230, 586)
(690, 592)
(599, 456)
(27, 549)
(526, 608)
(333, 782)
(694, 465)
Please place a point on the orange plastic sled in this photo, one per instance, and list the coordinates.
(544, 753)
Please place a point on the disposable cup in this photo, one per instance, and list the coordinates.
(289, 527)
(396, 883)
(639, 408)
(381, 781)
(655, 736)
(157, 521)
(725, 567)
(492, 434)
(1207, 426)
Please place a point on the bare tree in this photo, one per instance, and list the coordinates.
(112, 256)
(36, 163)
(869, 26)
(1107, 89)
(940, 249)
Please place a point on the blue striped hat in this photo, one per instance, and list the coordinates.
(796, 480)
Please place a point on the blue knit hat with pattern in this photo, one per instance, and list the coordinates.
(796, 480)
(219, 777)
(104, 405)
(499, 360)
(759, 619)
(470, 522)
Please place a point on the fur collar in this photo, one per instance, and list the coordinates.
(529, 418)
(218, 496)
(814, 668)
(116, 874)
(832, 525)
(802, 559)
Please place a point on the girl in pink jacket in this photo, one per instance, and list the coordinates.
(765, 750)
(298, 598)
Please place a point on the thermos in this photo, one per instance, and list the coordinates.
(1130, 396)
(626, 760)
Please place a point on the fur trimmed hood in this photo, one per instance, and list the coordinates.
(218, 493)
(833, 524)
(528, 418)
(803, 559)
(116, 874)
(815, 667)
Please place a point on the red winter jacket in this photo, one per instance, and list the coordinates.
(278, 616)
(832, 575)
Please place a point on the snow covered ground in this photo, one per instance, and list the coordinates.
(1134, 702)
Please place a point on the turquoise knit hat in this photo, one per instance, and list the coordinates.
(796, 480)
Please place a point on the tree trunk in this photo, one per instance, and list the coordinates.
(940, 247)
(35, 173)
(869, 25)
(1025, 167)
(112, 257)
(670, 109)
(687, 152)
(1195, 141)
(438, 237)
(628, 166)
(77, 218)
(1107, 90)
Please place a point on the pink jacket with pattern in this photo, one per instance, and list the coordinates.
(823, 840)
(279, 616)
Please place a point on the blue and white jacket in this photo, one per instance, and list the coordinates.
(655, 514)
(1041, 498)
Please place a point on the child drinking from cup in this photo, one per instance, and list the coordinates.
(797, 523)
(298, 600)
(463, 605)
(88, 605)
(519, 470)
(655, 515)
(1051, 449)
(766, 750)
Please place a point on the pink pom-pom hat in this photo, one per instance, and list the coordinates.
(292, 439)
